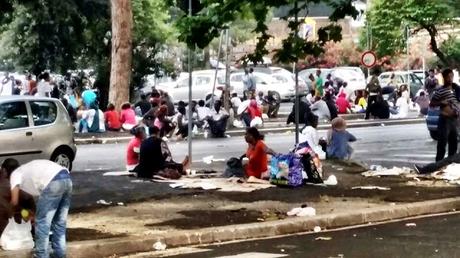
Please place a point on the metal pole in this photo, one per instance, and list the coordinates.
(368, 35)
(408, 57)
(217, 68)
(227, 70)
(190, 115)
(296, 82)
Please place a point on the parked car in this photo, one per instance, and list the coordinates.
(401, 77)
(202, 85)
(264, 82)
(36, 128)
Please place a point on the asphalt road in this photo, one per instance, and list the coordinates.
(430, 237)
(386, 145)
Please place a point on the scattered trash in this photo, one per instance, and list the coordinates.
(282, 250)
(208, 186)
(159, 246)
(120, 204)
(190, 172)
(323, 238)
(382, 125)
(417, 179)
(260, 219)
(354, 235)
(208, 159)
(331, 180)
(371, 187)
(411, 225)
(451, 172)
(339, 169)
(103, 202)
(381, 171)
(317, 229)
(177, 185)
(379, 238)
(138, 181)
(119, 173)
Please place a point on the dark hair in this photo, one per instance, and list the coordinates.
(312, 119)
(201, 103)
(10, 165)
(251, 70)
(446, 72)
(422, 93)
(45, 76)
(234, 94)
(154, 130)
(377, 70)
(137, 131)
(143, 96)
(181, 110)
(111, 107)
(254, 133)
(180, 104)
(126, 106)
(431, 70)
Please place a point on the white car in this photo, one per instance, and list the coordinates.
(202, 86)
(264, 82)
(401, 78)
(355, 79)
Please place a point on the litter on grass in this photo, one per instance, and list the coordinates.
(371, 187)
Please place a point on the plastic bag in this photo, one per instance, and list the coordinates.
(17, 236)
(256, 122)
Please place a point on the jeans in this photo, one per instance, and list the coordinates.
(447, 132)
(52, 209)
(432, 167)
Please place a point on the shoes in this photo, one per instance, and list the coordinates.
(420, 170)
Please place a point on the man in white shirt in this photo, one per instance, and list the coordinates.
(44, 87)
(52, 185)
(6, 88)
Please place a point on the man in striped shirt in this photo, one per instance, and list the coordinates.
(445, 98)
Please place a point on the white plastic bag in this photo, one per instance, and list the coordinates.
(17, 236)
(256, 122)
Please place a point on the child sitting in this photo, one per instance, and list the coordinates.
(338, 139)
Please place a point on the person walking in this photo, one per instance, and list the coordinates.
(373, 88)
(44, 87)
(431, 83)
(444, 98)
(52, 184)
(319, 84)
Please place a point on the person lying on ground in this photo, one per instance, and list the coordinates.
(338, 140)
(112, 119)
(133, 149)
(433, 167)
(155, 159)
(257, 168)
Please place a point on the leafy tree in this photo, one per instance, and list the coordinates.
(200, 29)
(388, 20)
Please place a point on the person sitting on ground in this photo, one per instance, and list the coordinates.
(255, 114)
(338, 140)
(257, 168)
(361, 106)
(127, 117)
(405, 93)
(273, 105)
(330, 102)
(309, 134)
(133, 149)
(165, 124)
(203, 113)
(92, 120)
(143, 105)
(89, 97)
(321, 109)
(236, 102)
(310, 97)
(423, 101)
(218, 120)
(304, 110)
(261, 102)
(401, 109)
(380, 108)
(149, 118)
(112, 119)
(343, 105)
(155, 158)
(182, 123)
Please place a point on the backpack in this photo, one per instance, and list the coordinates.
(234, 168)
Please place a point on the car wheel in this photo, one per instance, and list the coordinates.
(63, 158)
(434, 135)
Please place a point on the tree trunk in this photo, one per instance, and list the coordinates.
(120, 74)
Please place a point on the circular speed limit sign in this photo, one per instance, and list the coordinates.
(368, 59)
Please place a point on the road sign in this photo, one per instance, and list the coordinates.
(368, 59)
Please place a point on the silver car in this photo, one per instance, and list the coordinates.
(36, 128)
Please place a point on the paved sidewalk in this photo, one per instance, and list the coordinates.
(181, 217)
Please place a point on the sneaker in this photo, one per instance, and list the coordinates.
(419, 169)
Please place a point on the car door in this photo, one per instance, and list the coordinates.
(43, 132)
(236, 82)
(15, 134)
(201, 86)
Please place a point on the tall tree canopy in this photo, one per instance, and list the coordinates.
(388, 19)
(211, 16)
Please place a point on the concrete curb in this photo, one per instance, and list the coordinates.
(109, 247)
(240, 132)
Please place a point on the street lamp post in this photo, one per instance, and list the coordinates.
(190, 120)
(296, 82)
